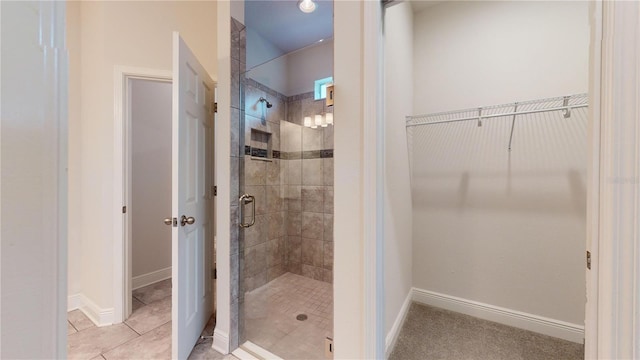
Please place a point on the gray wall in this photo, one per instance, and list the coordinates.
(151, 176)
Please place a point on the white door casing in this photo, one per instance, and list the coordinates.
(593, 179)
(613, 284)
(193, 92)
(33, 214)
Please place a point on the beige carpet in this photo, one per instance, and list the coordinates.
(433, 333)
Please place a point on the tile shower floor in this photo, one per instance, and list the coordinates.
(146, 334)
(271, 311)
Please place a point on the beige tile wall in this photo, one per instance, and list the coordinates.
(308, 192)
(265, 242)
(294, 194)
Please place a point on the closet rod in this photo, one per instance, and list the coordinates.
(513, 113)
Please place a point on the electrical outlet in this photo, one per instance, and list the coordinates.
(328, 348)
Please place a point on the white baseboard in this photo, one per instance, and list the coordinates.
(74, 302)
(241, 354)
(150, 278)
(251, 351)
(392, 336)
(99, 316)
(535, 323)
(220, 341)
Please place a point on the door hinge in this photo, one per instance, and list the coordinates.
(124, 209)
(589, 260)
(214, 273)
(215, 190)
(215, 107)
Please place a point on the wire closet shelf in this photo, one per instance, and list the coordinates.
(512, 110)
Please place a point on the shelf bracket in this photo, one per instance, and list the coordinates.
(513, 124)
(567, 110)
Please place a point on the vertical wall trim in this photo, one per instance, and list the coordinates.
(60, 77)
(618, 243)
(593, 180)
(33, 123)
(373, 166)
(349, 280)
(222, 180)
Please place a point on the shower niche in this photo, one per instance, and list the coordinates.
(261, 147)
(282, 265)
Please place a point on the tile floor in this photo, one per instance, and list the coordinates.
(270, 316)
(271, 323)
(146, 334)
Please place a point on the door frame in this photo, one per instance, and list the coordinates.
(122, 271)
(613, 237)
(373, 179)
(593, 179)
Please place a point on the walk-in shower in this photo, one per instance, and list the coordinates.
(282, 181)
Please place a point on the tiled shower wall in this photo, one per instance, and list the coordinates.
(293, 187)
(308, 190)
(264, 242)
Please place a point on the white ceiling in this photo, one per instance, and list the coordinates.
(288, 28)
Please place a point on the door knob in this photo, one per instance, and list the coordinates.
(168, 221)
(187, 220)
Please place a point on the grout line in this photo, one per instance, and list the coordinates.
(132, 329)
(130, 340)
(124, 343)
(133, 296)
(70, 323)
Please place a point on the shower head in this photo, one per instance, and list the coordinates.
(269, 105)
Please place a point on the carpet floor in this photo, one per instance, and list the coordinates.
(433, 333)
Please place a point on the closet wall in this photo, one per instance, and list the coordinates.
(505, 229)
(398, 79)
(476, 53)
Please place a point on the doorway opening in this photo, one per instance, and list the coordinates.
(145, 114)
(282, 188)
(149, 108)
(149, 289)
(498, 170)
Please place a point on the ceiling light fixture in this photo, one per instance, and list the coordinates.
(307, 6)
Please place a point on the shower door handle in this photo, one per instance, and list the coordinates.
(244, 200)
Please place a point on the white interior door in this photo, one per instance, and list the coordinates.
(193, 92)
